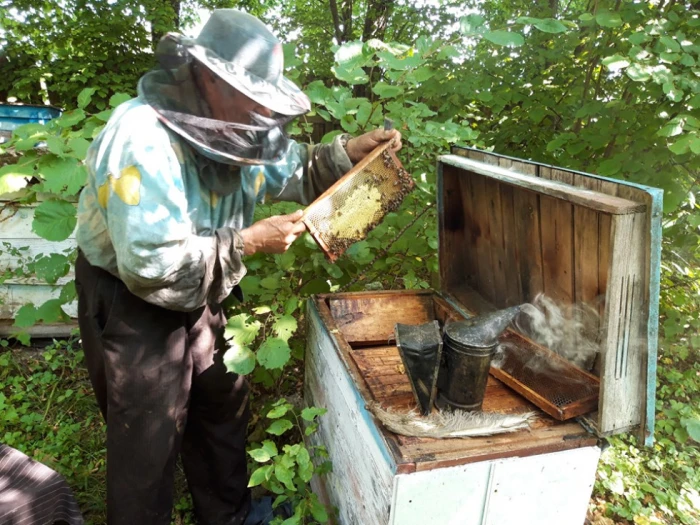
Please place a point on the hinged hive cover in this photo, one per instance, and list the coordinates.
(511, 230)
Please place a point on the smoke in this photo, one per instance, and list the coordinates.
(572, 331)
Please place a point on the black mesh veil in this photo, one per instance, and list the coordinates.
(170, 89)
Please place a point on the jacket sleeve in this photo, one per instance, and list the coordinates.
(306, 171)
(159, 258)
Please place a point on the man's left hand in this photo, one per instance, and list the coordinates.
(359, 147)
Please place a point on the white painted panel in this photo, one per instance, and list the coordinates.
(34, 246)
(548, 489)
(361, 482)
(446, 496)
(14, 296)
(17, 222)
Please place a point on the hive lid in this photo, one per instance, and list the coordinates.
(511, 229)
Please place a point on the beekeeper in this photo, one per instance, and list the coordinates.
(164, 227)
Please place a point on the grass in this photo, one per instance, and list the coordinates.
(47, 410)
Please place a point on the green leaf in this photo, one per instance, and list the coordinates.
(239, 359)
(104, 115)
(470, 24)
(687, 60)
(52, 267)
(610, 167)
(269, 447)
(279, 427)
(670, 57)
(260, 455)
(615, 62)
(14, 177)
(423, 73)
(315, 286)
(26, 316)
(550, 25)
(51, 311)
(692, 426)
(70, 118)
(670, 44)
(273, 353)
(118, 98)
(79, 146)
(270, 283)
(586, 17)
(306, 468)
(310, 413)
(284, 327)
(278, 411)
(505, 38)
(353, 76)
(240, 330)
(62, 175)
(68, 293)
(694, 144)
(317, 92)
(638, 73)
(351, 54)
(284, 475)
(318, 511)
(639, 38)
(54, 220)
(85, 96)
(384, 90)
(55, 145)
(681, 146)
(328, 137)
(672, 92)
(260, 475)
(608, 19)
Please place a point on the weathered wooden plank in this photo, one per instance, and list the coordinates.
(556, 225)
(604, 249)
(456, 226)
(552, 188)
(496, 242)
(528, 244)
(481, 237)
(372, 319)
(41, 330)
(623, 366)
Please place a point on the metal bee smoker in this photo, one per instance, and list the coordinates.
(469, 347)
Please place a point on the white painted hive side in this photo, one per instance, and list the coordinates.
(545, 489)
(360, 485)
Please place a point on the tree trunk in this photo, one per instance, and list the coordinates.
(377, 19)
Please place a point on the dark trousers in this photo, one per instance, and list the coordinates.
(163, 389)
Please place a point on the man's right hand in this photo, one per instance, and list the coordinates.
(274, 234)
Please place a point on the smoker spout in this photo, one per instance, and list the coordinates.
(482, 331)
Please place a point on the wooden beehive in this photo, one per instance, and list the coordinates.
(509, 230)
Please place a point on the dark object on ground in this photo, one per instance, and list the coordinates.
(33, 494)
(261, 511)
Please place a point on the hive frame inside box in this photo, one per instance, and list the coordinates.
(379, 477)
